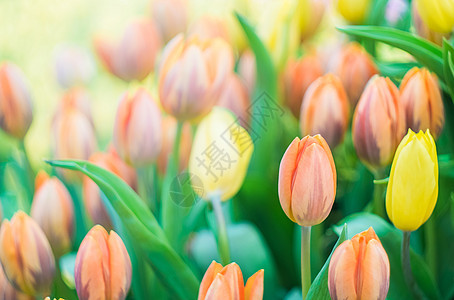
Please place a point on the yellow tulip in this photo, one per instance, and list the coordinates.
(437, 14)
(413, 182)
(354, 11)
(220, 155)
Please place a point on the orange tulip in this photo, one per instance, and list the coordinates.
(307, 181)
(355, 68)
(325, 110)
(26, 255)
(192, 73)
(137, 129)
(75, 98)
(8, 292)
(103, 268)
(297, 77)
(422, 102)
(170, 17)
(235, 97)
(53, 210)
(209, 27)
(133, 57)
(359, 269)
(227, 283)
(247, 70)
(15, 101)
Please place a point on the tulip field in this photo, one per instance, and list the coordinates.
(227, 149)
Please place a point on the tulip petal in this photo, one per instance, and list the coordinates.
(119, 266)
(342, 269)
(254, 286)
(232, 273)
(208, 279)
(219, 289)
(286, 171)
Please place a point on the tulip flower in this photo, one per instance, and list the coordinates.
(235, 97)
(359, 269)
(191, 76)
(7, 291)
(75, 98)
(325, 110)
(15, 101)
(53, 210)
(423, 30)
(297, 77)
(355, 68)
(137, 129)
(413, 183)
(133, 56)
(317, 12)
(170, 17)
(378, 123)
(247, 70)
(74, 66)
(437, 14)
(91, 192)
(422, 101)
(227, 283)
(26, 255)
(209, 27)
(354, 11)
(103, 267)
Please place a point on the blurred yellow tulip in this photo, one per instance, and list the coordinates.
(437, 14)
(354, 11)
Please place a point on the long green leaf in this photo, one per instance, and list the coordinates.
(448, 64)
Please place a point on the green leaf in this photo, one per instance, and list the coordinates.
(319, 288)
(143, 229)
(448, 64)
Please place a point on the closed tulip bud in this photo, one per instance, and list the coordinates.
(137, 129)
(209, 27)
(15, 101)
(53, 210)
(74, 66)
(378, 123)
(75, 98)
(413, 183)
(297, 77)
(307, 181)
(359, 269)
(355, 68)
(220, 155)
(354, 11)
(247, 70)
(8, 292)
(26, 255)
(317, 12)
(169, 130)
(170, 17)
(325, 110)
(133, 56)
(91, 192)
(437, 14)
(422, 102)
(235, 97)
(227, 283)
(423, 30)
(192, 73)
(103, 267)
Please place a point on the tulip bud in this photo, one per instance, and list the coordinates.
(137, 129)
(247, 70)
(209, 27)
(325, 110)
(170, 17)
(76, 98)
(317, 12)
(437, 14)
(133, 57)
(307, 181)
(227, 283)
(8, 292)
(220, 154)
(413, 183)
(234, 96)
(169, 130)
(74, 66)
(53, 210)
(91, 192)
(191, 76)
(26, 255)
(378, 123)
(355, 68)
(422, 102)
(15, 101)
(423, 30)
(297, 77)
(354, 11)
(359, 269)
(103, 268)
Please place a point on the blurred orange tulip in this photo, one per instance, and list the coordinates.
(103, 268)
(247, 70)
(325, 110)
(16, 113)
(378, 123)
(235, 97)
(209, 27)
(26, 255)
(307, 181)
(359, 269)
(355, 68)
(75, 98)
(137, 129)
(53, 210)
(132, 57)
(297, 77)
(422, 102)
(227, 283)
(192, 73)
(170, 17)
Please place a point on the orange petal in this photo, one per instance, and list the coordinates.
(254, 286)
(232, 273)
(286, 172)
(120, 267)
(208, 278)
(219, 289)
(341, 273)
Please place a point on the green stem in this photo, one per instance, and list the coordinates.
(431, 245)
(379, 191)
(147, 186)
(221, 234)
(406, 267)
(305, 260)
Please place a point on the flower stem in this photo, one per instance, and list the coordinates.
(305, 260)
(406, 267)
(379, 191)
(431, 245)
(221, 234)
